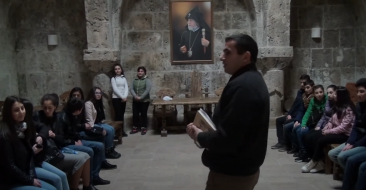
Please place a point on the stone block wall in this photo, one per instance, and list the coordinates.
(336, 58)
(146, 42)
(8, 71)
(50, 69)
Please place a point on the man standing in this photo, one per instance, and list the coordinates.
(195, 40)
(235, 152)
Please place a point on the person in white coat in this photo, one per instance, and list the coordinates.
(120, 93)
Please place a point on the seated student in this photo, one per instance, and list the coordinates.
(77, 165)
(291, 115)
(355, 172)
(44, 170)
(331, 90)
(289, 129)
(357, 141)
(78, 93)
(313, 114)
(68, 127)
(94, 113)
(16, 150)
(337, 130)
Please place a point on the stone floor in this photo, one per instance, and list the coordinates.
(152, 162)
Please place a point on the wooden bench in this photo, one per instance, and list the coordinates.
(329, 166)
(118, 126)
(337, 170)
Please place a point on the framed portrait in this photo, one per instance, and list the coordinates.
(191, 34)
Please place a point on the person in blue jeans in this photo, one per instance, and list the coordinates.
(53, 176)
(356, 143)
(44, 170)
(313, 114)
(290, 131)
(94, 114)
(68, 127)
(85, 134)
(355, 172)
(17, 149)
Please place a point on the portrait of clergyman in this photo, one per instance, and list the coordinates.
(191, 32)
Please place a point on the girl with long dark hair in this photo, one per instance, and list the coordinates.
(94, 113)
(17, 149)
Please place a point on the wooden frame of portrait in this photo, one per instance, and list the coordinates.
(177, 57)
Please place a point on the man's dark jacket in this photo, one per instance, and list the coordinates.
(239, 145)
(297, 109)
(67, 128)
(358, 134)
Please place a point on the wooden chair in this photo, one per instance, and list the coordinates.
(64, 97)
(351, 87)
(218, 91)
(170, 111)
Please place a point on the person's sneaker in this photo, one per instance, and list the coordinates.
(143, 130)
(100, 181)
(277, 146)
(124, 134)
(309, 166)
(134, 130)
(318, 168)
(293, 151)
(302, 158)
(106, 165)
(283, 149)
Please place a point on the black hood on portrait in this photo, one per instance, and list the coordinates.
(197, 16)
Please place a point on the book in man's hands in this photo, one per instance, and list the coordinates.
(203, 121)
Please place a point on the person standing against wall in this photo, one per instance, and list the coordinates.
(120, 93)
(140, 91)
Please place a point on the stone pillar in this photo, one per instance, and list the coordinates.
(275, 83)
(275, 52)
(104, 82)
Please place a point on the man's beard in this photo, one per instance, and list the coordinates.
(192, 28)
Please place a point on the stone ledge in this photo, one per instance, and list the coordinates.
(277, 52)
(101, 60)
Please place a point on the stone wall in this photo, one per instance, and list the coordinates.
(360, 35)
(336, 58)
(46, 69)
(146, 41)
(8, 71)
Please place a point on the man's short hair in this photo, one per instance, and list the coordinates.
(309, 82)
(304, 77)
(245, 43)
(74, 104)
(361, 82)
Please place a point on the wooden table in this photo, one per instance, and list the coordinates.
(185, 102)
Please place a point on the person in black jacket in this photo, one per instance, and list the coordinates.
(76, 165)
(69, 124)
(16, 151)
(291, 114)
(237, 149)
